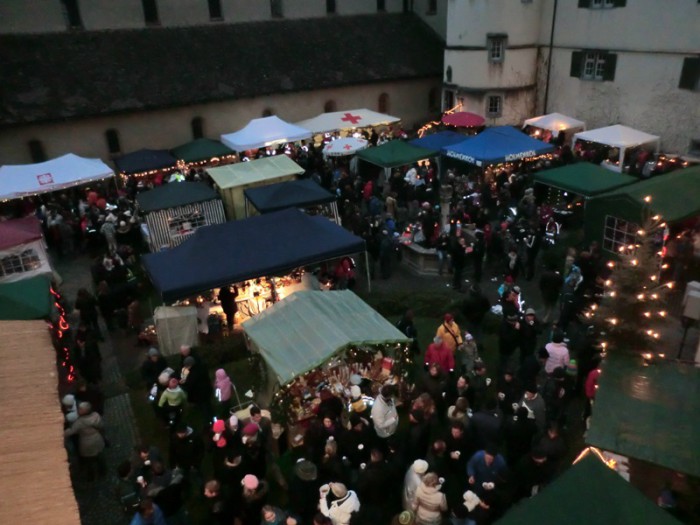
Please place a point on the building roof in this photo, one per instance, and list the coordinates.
(65, 75)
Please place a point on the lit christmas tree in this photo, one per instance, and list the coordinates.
(631, 310)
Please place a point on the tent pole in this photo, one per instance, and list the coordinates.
(369, 282)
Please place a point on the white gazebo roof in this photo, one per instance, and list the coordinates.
(262, 132)
(555, 122)
(353, 118)
(617, 136)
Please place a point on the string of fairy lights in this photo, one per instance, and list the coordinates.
(60, 331)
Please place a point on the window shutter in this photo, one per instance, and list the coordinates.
(620, 3)
(584, 3)
(576, 63)
(689, 73)
(610, 63)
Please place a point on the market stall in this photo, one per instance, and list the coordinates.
(22, 250)
(583, 178)
(145, 163)
(463, 119)
(303, 194)
(174, 211)
(263, 132)
(344, 147)
(613, 218)
(265, 245)
(648, 408)
(597, 492)
(552, 125)
(25, 180)
(311, 338)
(617, 145)
(26, 300)
(497, 145)
(204, 152)
(234, 179)
(339, 120)
(394, 154)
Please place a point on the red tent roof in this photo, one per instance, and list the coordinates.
(19, 231)
(463, 119)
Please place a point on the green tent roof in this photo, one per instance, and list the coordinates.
(395, 153)
(584, 179)
(175, 194)
(588, 493)
(200, 150)
(26, 299)
(649, 412)
(307, 328)
(255, 171)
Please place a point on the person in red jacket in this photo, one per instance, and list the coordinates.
(590, 387)
(438, 352)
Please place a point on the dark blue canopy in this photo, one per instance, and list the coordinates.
(494, 145)
(289, 194)
(438, 140)
(145, 160)
(235, 251)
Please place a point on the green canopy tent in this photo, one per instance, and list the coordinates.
(306, 329)
(583, 178)
(201, 150)
(611, 217)
(395, 153)
(588, 493)
(26, 299)
(650, 412)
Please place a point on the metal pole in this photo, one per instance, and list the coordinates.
(369, 282)
(549, 58)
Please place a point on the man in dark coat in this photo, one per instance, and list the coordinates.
(508, 340)
(475, 308)
(530, 329)
(195, 382)
(373, 483)
(152, 367)
(186, 450)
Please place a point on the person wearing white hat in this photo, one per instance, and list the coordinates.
(411, 482)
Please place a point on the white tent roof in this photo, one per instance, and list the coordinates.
(617, 136)
(261, 132)
(555, 122)
(354, 118)
(22, 180)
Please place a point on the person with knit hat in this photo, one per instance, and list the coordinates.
(449, 332)
(252, 499)
(338, 503)
(152, 367)
(303, 487)
(429, 502)
(89, 429)
(411, 482)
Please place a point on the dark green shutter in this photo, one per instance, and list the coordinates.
(576, 63)
(689, 73)
(610, 63)
(620, 3)
(584, 3)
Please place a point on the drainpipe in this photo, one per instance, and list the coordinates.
(549, 60)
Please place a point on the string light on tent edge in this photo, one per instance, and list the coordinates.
(60, 329)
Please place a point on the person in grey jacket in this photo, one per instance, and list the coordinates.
(384, 415)
(89, 429)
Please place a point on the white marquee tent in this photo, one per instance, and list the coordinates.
(555, 122)
(354, 118)
(262, 132)
(621, 137)
(23, 180)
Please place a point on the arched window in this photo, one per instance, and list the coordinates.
(267, 112)
(433, 100)
(36, 151)
(448, 74)
(329, 106)
(113, 145)
(197, 125)
(383, 103)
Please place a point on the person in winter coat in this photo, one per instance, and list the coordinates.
(89, 429)
(449, 332)
(438, 352)
(223, 388)
(485, 467)
(384, 414)
(429, 503)
(338, 503)
(558, 353)
(195, 381)
(411, 482)
(172, 401)
(186, 449)
(536, 408)
(152, 367)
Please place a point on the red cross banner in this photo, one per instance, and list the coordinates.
(353, 119)
(44, 179)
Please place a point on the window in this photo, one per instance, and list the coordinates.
(432, 7)
(383, 103)
(267, 112)
(197, 126)
(330, 7)
(496, 45)
(694, 148)
(71, 12)
(36, 151)
(593, 65)
(601, 4)
(448, 100)
(381, 6)
(113, 145)
(448, 74)
(690, 74)
(618, 233)
(433, 100)
(150, 12)
(494, 105)
(215, 12)
(329, 106)
(26, 261)
(185, 224)
(276, 9)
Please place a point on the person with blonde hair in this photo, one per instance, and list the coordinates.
(430, 502)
